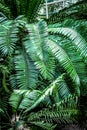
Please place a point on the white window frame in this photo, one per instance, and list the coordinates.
(54, 2)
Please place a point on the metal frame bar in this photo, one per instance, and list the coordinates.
(46, 9)
(54, 2)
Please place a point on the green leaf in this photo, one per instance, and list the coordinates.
(31, 99)
(75, 37)
(46, 126)
(32, 9)
(8, 37)
(65, 62)
(34, 98)
(26, 73)
(36, 47)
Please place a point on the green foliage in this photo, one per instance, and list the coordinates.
(8, 37)
(75, 54)
(76, 38)
(65, 112)
(42, 68)
(4, 10)
(65, 62)
(32, 57)
(46, 126)
(28, 8)
(33, 98)
(26, 75)
(38, 49)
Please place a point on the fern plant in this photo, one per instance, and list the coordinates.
(38, 67)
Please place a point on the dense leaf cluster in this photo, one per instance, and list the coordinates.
(42, 67)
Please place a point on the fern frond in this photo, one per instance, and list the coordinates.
(26, 73)
(5, 10)
(48, 91)
(75, 37)
(8, 37)
(23, 98)
(39, 52)
(32, 99)
(63, 90)
(46, 126)
(64, 113)
(61, 116)
(3, 103)
(76, 58)
(2, 18)
(1, 111)
(28, 8)
(15, 101)
(65, 62)
(33, 8)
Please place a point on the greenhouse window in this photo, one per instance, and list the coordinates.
(53, 6)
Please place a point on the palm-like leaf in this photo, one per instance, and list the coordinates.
(64, 116)
(32, 99)
(37, 49)
(8, 37)
(27, 8)
(5, 10)
(48, 91)
(3, 103)
(33, 8)
(43, 125)
(63, 90)
(75, 37)
(65, 112)
(65, 61)
(26, 73)
(34, 52)
(71, 49)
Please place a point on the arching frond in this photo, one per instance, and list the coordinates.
(32, 99)
(39, 52)
(75, 37)
(2, 18)
(33, 8)
(64, 113)
(8, 37)
(42, 95)
(5, 10)
(26, 73)
(61, 116)
(65, 43)
(23, 98)
(28, 8)
(63, 90)
(15, 101)
(3, 103)
(35, 61)
(43, 125)
(65, 62)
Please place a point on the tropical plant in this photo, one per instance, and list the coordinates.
(38, 67)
